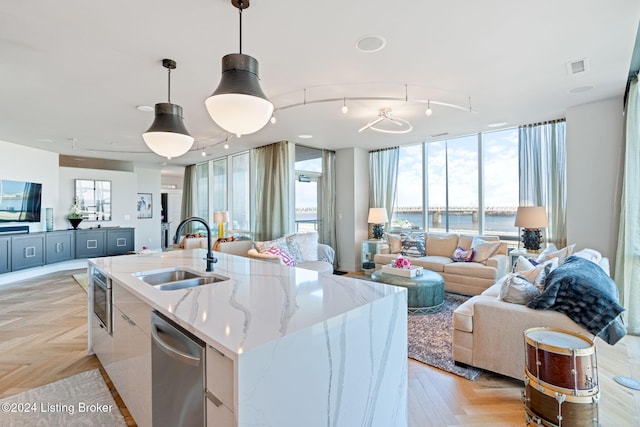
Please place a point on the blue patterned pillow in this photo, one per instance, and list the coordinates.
(413, 247)
(461, 255)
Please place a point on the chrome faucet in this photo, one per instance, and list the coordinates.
(210, 258)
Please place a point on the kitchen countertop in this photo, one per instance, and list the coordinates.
(260, 303)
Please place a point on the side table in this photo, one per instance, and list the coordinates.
(369, 249)
(514, 254)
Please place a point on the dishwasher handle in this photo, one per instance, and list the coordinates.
(172, 352)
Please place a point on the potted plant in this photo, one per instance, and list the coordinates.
(74, 216)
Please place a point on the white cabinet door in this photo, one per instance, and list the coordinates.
(101, 342)
(220, 389)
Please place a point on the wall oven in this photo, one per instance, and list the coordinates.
(102, 302)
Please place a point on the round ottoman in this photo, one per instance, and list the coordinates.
(425, 293)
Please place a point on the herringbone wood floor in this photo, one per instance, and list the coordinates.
(43, 338)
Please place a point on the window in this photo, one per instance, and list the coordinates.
(219, 185)
(240, 212)
(308, 167)
(461, 185)
(501, 192)
(202, 185)
(409, 208)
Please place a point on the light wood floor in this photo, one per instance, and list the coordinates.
(43, 334)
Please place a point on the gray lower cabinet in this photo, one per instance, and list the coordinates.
(27, 251)
(119, 241)
(91, 243)
(5, 254)
(60, 246)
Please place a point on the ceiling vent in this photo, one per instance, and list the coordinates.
(578, 67)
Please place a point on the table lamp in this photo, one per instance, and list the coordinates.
(531, 219)
(221, 218)
(378, 217)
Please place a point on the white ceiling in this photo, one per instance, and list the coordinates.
(73, 72)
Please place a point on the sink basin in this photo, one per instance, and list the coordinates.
(165, 276)
(173, 279)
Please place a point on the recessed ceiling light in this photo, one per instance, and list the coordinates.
(371, 43)
(144, 108)
(438, 135)
(581, 89)
(305, 136)
(45, 140)
(496, 124)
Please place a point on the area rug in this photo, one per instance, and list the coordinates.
(81, 400)
(81, 278)
(430, 338)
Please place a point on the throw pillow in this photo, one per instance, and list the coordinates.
(516, 289)
(461, 255)
(264, 246)
(303, 246)
(414, 247)
(552, 252)
(535, 273)
(482, 250)
(285, 257)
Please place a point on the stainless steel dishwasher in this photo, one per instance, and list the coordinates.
(178, 375)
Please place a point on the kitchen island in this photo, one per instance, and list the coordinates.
(298, 347)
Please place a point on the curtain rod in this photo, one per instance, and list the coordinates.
(384, 149)
(547, 122)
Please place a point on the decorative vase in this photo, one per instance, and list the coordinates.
(75, 222)
(48, 216)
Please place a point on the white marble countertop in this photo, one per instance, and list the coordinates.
(260, 303)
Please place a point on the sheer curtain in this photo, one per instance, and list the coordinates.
(383, 178)
(627, 274)
(327, 219)
(273, 189)
(543, 174)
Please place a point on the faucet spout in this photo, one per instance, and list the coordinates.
(210, 258)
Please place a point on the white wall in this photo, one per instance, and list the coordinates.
(595, 147)
(148, 230)
(352, 205)
(21, 163)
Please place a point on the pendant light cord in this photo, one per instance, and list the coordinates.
(169, 85)
(240, 12)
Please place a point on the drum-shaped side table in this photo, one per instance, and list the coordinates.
(425, 293)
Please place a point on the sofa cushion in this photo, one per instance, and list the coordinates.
(472, 269)
(465, 241)
(552, 252)
(483, 249)
(394, 241)
(433, 263)
(441, 245)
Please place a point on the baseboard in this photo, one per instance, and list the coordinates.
(29, 273)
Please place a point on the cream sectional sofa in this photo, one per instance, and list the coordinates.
(302, 249)
(489, 333)
(471, 278)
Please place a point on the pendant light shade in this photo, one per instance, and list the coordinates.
(167, 135)
(239, 105)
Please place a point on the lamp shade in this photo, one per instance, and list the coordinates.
(167, 135)
(378, 216)
(220, 217)
(531, 217)
(239, 105)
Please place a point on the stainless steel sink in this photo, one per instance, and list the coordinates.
(166, 276)
(173, 279)
(189, 283)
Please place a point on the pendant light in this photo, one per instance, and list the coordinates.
(239, 105)
(167, 135)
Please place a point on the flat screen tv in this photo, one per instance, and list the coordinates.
(20, 201)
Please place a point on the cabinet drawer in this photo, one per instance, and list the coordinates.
(220, 376)
(219, 415)
(136, 309)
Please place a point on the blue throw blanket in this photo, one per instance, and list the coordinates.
(583, 291)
